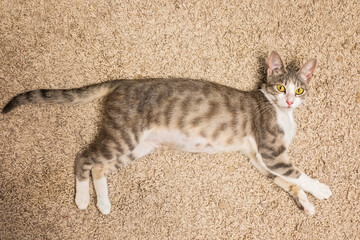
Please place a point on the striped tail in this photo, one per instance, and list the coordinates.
(62, 96)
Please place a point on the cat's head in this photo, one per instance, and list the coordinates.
(287, 89)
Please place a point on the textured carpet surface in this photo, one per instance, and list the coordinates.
(173, 195)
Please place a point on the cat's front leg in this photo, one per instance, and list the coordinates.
(295, 192)
(313, 186)
(280, 166)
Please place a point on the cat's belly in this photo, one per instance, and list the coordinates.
(175, 140)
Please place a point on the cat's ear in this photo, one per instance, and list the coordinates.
(307, 70)
(275, 64)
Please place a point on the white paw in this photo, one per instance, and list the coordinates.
(309, 210)
(104, 205)
(321, 191)
(82, 200)
(308, 207)
(82, 197)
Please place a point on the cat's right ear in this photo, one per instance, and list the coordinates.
(275, 64)
(307, 70)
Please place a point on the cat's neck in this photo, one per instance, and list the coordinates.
(285, 119)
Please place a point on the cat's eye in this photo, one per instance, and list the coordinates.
(280, 87)
(299, 91)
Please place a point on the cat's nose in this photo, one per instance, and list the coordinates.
(289, 102)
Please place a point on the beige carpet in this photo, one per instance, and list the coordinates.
(172, 195)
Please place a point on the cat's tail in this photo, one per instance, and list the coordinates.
(62, 96)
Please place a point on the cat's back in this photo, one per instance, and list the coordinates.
(157, 93)
(171, 86)
(175, 103)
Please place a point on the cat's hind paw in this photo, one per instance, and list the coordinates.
(103, 205)
(82, 201)
(321, 191)
(82, 197)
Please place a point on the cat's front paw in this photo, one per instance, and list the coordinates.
(305, 204)
(321, 191)
(104, 205)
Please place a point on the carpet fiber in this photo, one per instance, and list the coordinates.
(174, 195)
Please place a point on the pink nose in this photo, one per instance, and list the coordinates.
(289, 102)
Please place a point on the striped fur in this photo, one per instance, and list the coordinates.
(187, 115)
(62, 96)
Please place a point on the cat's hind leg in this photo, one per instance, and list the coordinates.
(83, 164)
(99, 173)
(102, 151)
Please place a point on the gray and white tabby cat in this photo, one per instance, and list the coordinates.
(193, 116)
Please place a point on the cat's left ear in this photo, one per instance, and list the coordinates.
(307, 70)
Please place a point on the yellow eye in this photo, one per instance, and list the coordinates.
(280, 87)
(299, 91)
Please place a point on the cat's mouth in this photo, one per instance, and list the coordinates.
(287, 107)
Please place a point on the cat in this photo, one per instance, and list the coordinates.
(193, 116)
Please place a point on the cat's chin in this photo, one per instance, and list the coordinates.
(286, 108)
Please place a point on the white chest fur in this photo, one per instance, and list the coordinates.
(285, 119)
